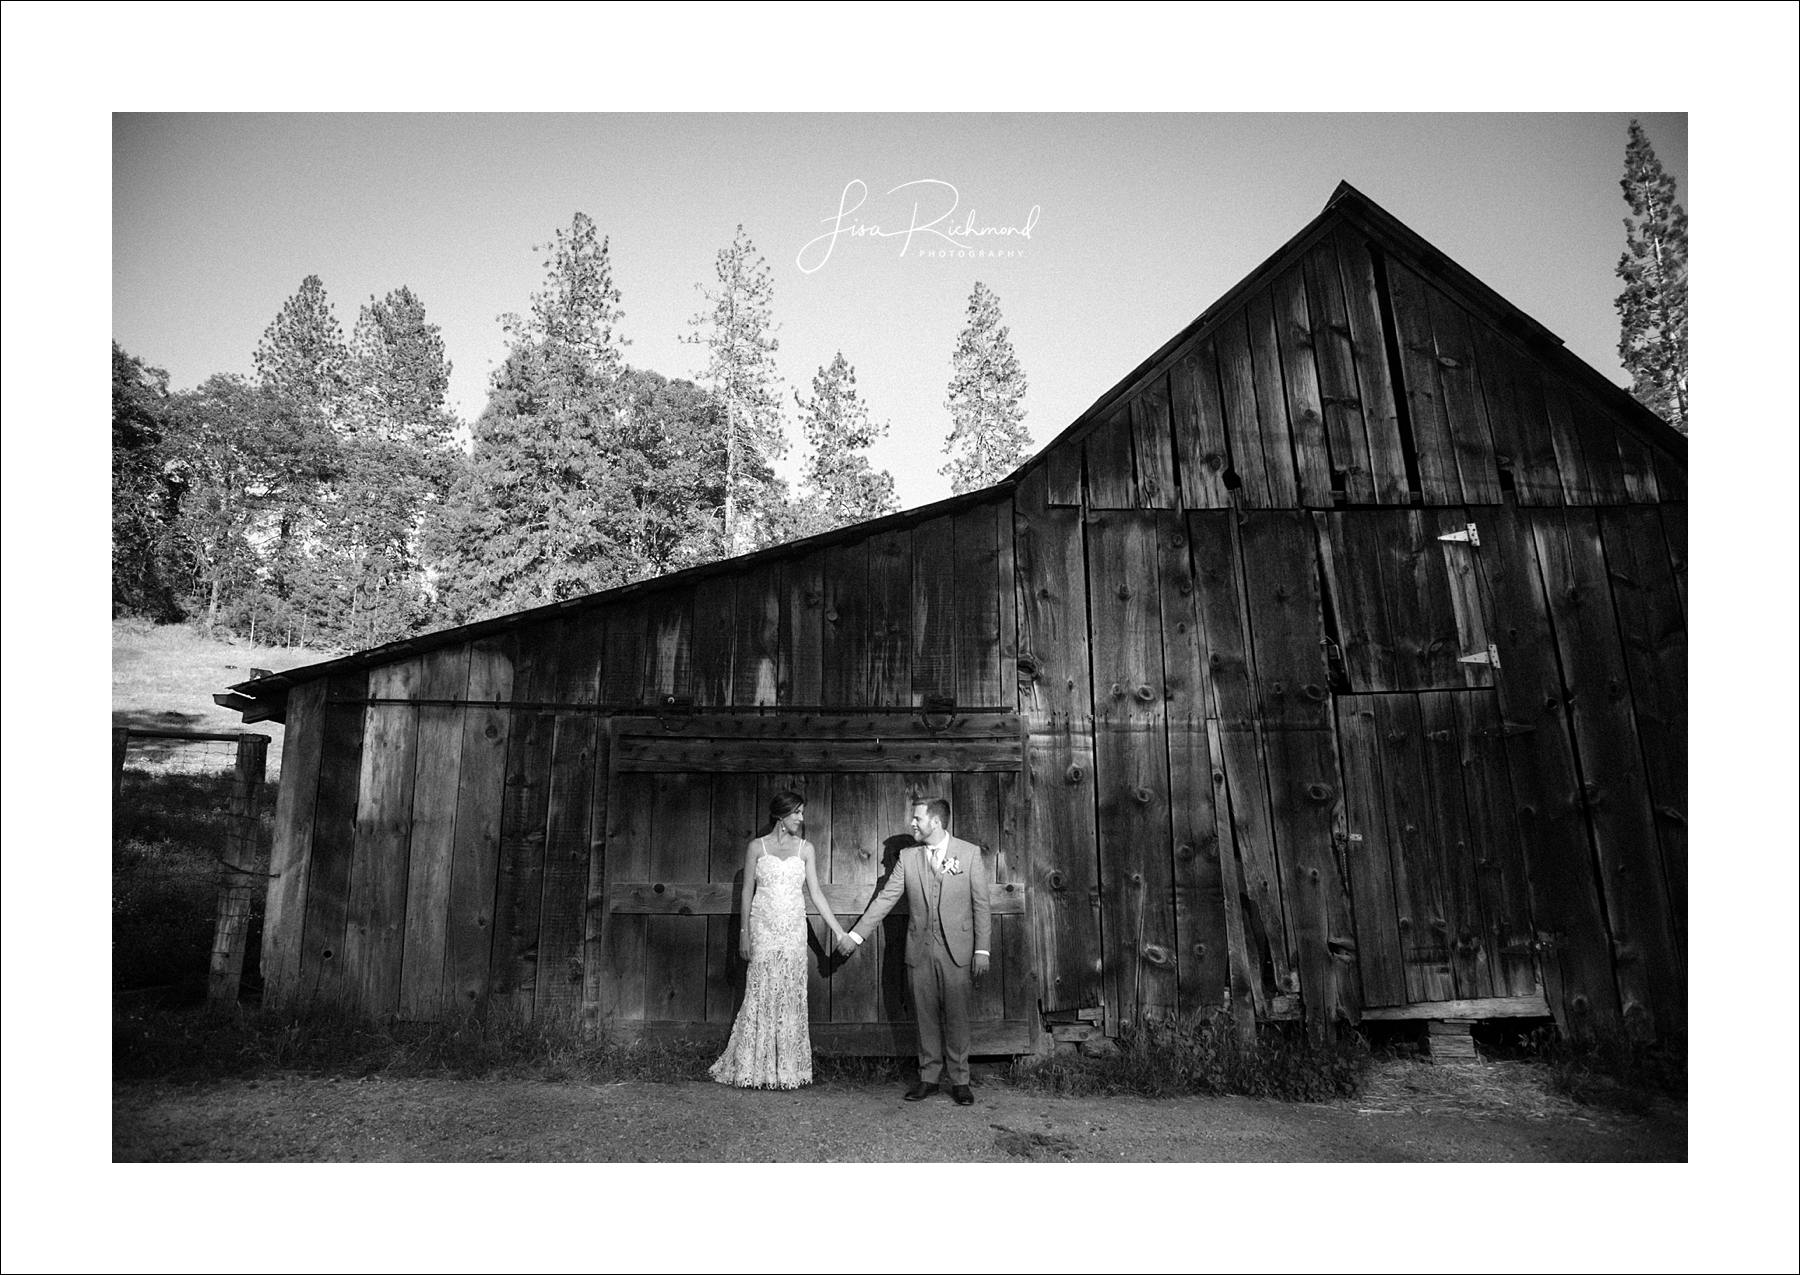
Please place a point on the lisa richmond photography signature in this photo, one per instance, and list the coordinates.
(928, 209)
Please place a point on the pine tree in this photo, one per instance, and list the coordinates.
(145, 498)
(837, 426)
(987, 439)
(738, 332)
(1653, 336)
(538, 512)
(302, 353)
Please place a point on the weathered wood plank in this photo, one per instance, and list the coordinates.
(1412, 820)
(933, 618)
(567, 839)
(1471, 961)
(1565, 904)
(1198, 416)
(1246, 988)
(629, 808)
(1203, 954)
(1578, 486)
(1058, 796)
(834, 756)
(715, 626)
(1465, 412)
(669, 665)
(756, 643)
(1281, 590)
(1131, 768)
(334, 840)
(801, 669)
(581, 664)
(1350, 549)
(890, 618)
(679, 850)
(475, 857)
(594, 913)
(817, 725)
(1600, 447)
(1306, 805)
(1340, 402)
(857, 829)
(1494, 839)
(524, 815)
(1111, 472)
(1651, 980)
(1006, 606)
(1674, 522)
(846, 633)
(1151, 443)
(1654, 635)
(1243, 428)
(1063, 475)
(1416, 587)
(1381, 418)
(1438, 481)
(1271, 401)
(1230, 677)
(1637, 465)
(1512, 388)
(624, 658)
(1671, 477)
(1468, 595)
(433, 844)
(977, 608)
(1527, 1006)
(296, 806)
(1259, 872)
(1300, 374)
(375, 924)
(1370, 858)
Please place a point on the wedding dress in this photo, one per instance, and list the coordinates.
(771, 1046)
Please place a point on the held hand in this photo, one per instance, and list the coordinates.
(846, 945)
(980, 967)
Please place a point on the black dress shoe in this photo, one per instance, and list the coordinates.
(919, 1091)
(962, 1095)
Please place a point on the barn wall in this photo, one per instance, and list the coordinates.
(1290, 747)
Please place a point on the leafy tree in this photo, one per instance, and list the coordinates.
(1653, 309)
(837, 426)
(146, 500)
(737, 330)
(668, 445)
(987, 439)
(534, 516)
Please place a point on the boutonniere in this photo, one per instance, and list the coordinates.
(952, 866)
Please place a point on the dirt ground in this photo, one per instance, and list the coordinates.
(1409, 1111)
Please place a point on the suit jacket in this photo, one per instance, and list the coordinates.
(959, 901)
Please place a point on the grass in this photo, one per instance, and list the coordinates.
(1201, 1054)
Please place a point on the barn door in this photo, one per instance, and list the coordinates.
(684, 797)
(1437, 877)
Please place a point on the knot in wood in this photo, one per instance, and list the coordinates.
(1178, 540)
(1199, 949)
(1313, 873)
(832, 615)
(1573, 594)
(1157, 955)
(1614, 690)
(1281, 593)
(1137, 878)
(1550, 702)
(1441, 736)
(1056, 881)
(492, 731)
(1218, 776)
(1142, 795)
(1216, 660)
(1181, 626)
(1277, 689)
(1124, 592)
(1145, 694)
(1184, 851)
(1148, 485)
(1406, 923)
(1313, 691)
(1579, 1004)
(1074, 774)
(1044, 595)
(658, 888)
(1318, 792)
(1118, 692)
(1185, 587)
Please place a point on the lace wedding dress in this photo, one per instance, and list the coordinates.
(771, 1047)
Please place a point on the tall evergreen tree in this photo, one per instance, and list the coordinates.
(146, 499)
(737, 329)
(1653, 308)
(668, 446)
(534, 516)
(987, 439)
(837, 427)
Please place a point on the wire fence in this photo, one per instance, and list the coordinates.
(192, 821)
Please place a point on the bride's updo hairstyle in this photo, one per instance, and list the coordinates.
(785, 803)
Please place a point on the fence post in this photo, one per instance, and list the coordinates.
(237, 876)
(121, 740)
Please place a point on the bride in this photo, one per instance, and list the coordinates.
(771, 1045)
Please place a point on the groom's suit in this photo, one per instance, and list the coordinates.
(949, 919)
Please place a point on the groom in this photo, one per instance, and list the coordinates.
(947, 934)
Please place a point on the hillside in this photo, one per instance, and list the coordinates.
(164, 676)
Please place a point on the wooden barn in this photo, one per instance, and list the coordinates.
(1332, 665)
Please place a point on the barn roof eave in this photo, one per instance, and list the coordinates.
(1349, 205)
(270, 693)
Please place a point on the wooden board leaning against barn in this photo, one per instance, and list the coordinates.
(296, 802)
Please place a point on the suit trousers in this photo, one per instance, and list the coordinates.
(941, 992)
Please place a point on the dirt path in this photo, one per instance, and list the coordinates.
(1408, 1113)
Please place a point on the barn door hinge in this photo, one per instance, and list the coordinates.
(1468, 535)
(1489, 656)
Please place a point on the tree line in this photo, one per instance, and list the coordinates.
(333, 499)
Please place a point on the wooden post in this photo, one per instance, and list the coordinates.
(238, 874)
(121, 738)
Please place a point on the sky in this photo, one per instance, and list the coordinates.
(1114, 231)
